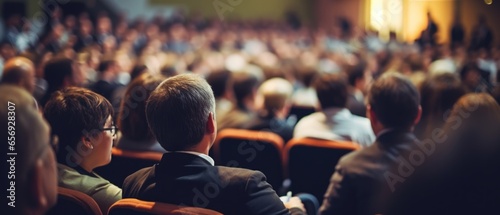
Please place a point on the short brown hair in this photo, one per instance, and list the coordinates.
(331, 90)
(73, 113)
(395, 101)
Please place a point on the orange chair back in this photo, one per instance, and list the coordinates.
(74, 203)
(138, 207)
(125, 162)
(256, 150)
(309, 163)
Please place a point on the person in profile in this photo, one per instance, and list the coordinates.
(83, 122)
(180, 113)
(35, 167)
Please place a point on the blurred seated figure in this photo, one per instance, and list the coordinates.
(82, 121)
(276, 93)
(132, 116)
(244, 86)
(334, 121)
(59, 72)
(305, 95)
(358, 79)
(180, 113)
(220, 81)
(438, 95)
(19, 71)
(365, 179)
(107, 84)
(461, 173)
(35, 167)
(471, 76)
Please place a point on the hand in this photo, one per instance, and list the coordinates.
(295, 203)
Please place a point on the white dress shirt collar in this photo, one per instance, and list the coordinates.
(204, 156)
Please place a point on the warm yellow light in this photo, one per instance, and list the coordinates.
(488, 2)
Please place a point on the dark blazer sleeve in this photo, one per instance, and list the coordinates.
(262, 199)
(340, 195)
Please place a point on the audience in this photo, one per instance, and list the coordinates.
(276, 93)
(326, 72)
(35, 166)
(364, 179)
(334, 121)
(19, 71)
(132, 122)
(180, 113)
(82, 121)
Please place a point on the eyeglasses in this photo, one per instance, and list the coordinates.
(113, 129)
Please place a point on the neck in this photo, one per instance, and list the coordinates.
(203, 146)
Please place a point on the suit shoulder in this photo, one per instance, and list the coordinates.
(237, 174)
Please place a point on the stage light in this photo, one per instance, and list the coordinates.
(488, 2)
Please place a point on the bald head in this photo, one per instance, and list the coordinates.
(19, 71)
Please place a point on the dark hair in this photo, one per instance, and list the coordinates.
(178, 109)
(395, 101)
(438, 94)
(56, 70)
(219, 81)
(137, 71)
(355, 73)
(331, 90)
(306, 75)
(74, 113)
(132, 116)
(105, 65)
(244, 84)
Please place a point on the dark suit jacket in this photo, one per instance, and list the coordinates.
(189, 180)
(359, 184)
(273, 124)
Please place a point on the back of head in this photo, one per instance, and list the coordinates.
(276, 93)
(56, 72)
(244, 84)
(331, 90)
(19, 71)
(394, 100)
(219, 81)
(74, 113)
(28, 134)
(132, 117)
(475, 119)
(177, 111)
(439, 94)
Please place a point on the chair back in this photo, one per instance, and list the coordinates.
(301, 111)
(125, 162)
(310, 163)
(74, 202)
(256, 150)
(138, 207)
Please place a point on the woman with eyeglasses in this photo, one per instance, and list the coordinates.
(83, 122)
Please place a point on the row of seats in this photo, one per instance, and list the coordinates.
(77, 203)
(302, 165)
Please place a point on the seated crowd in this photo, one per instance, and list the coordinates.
(428, 134)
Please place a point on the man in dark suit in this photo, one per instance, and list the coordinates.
(364, 179)
(180, 113)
